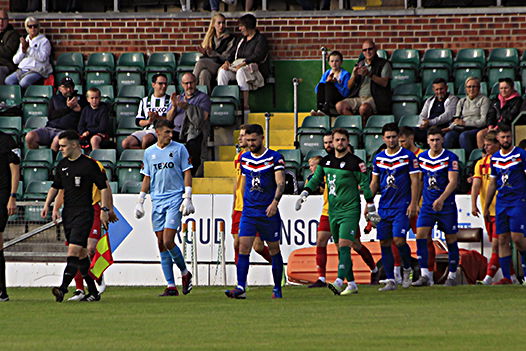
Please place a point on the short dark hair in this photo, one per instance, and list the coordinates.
(157, 75)
(406, 131)
(503, 128)
(439, 81)
(164, 123)
(93, 90)
(508, 81)
(340, 131)
(390, 127)
(244, 127)
(336, 53)
(434, 130)
(248, 20)
(254, 129)
(70, 135)
(327, 134)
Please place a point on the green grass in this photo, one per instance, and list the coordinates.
(437, 318)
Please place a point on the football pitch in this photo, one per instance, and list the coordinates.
(436, 318)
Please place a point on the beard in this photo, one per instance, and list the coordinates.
(256, 148)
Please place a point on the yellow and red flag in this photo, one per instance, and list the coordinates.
(103, 258)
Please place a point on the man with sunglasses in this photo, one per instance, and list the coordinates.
(369, 85)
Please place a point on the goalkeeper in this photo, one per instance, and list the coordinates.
(343, 173)
(167, 175)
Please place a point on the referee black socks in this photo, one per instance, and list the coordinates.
(72, 266)
(3, 289)
(84, 270)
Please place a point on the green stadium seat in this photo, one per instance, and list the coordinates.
(222, 114)
(292, 158)
(405, 58)
(353, 124)
(150, 74)
(310, 141)
(226, 94)
(107, 93)
(201, 88)
(131, 187)
(381, 53)
(37, 190)
(129, 166)
(70, 62)
(475, 155)
(437, 58)
(461, 154)
(361, 153)
(496, 73)
(402, 76)
(470, 58)
(32, 174)
(108, 157)
(128, 78)
(409, 121)
(187, 61)
(33, 123)
(127, 126)
(461, 92)
(114, 186)
(429, 90)
(100, 62)
(11, 125)
(315, 124)
(372, 142)
(375, 123)
(34, 109)
(38, 157)
(461, 74)
(404, 108)
(11, 95)
(428, 75)
(75, 76)
(408, 92)
(130, 62)
(38, 94)
(503, 57)
(96, 79)
(161, 62)
(320, 152)
(495, 89)
(125, 174)
(127, 102)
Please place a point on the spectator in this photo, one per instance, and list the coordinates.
(213, 5)
(63, 114)
(32, 57)
(151, 109)
(9, 41)
(248, 63)
(332, 86)
(190, 116)
(94, 121)
(369, 86)
(470, 117)
(216, 48)
(503, 109)
(438, 110)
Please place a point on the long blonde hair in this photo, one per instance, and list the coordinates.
(211, 32)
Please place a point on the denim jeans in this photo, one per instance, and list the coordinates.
(26, 81)
(466, 140)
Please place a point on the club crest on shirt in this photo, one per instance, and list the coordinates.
(342, 164)
(432, 183)
(390, 181)
(455, 165)
(363, 168)
(256, 183)
(331, 184)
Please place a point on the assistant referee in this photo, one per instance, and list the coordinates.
(9, 176)
(76, 174)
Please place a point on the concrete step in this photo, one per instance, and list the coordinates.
(213, 185)
(219, 169)
(277, 120)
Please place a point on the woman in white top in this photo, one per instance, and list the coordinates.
(32, 57)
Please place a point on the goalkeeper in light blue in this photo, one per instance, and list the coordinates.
(168, 178)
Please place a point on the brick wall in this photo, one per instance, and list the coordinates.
(292, 37)
(4, 4)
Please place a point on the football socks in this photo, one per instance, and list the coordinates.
(505, 266)
(242, 270)
(277, 270)
(167, 265)
(345, 264)
(493, 265)
(367, 257)
(3, 289)
(72, 266)
(453, 256)
(321, 261)
(178, 259)
(388, 261)
(405, 255)
(84, 270)
(421, 251)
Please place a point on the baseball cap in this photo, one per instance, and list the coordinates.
(67, 81)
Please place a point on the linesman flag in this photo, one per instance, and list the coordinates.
(103, 258)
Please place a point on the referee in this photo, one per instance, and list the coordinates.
(9, 176)
(76, 174)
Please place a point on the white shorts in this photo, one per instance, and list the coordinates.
(141, 133)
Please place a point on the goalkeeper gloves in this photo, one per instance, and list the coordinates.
(303, 197)
(139, 208)
(187, 207)
(372, 215)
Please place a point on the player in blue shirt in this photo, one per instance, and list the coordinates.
(262, 184)
(396, 174)
(508, 167)
(439, 180)
(167, 175)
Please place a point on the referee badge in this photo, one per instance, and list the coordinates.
(77, 181)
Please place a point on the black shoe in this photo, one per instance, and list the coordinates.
(375, 277)
(318, 284)
(4, 297)
(58, 293)
(91, 298)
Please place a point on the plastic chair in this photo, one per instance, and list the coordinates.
(11, 95)
(375, 123)
(38, 94)
(470, 58)
(108, 157)
(100, 62)
(405, 58)
(409, 121)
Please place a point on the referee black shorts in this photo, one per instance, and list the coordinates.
(77, 223)
(4, 199)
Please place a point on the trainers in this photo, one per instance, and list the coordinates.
(349, 290)
(335, 288)
(450, 282)
(4, 298)
(101, 285)
(91, 298)
(503, 281)
(406, 277)
(390, 285)
(237, 293)
(58, 293)
(422, 281)
(277, 294)
(514, 280)
(170, 291)
(187, 283)
(483, 282)
(318, 284)
(77, 295)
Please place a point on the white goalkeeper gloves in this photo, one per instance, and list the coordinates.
(139, 208)
(303, 197)
(187, 207)
(372, 215)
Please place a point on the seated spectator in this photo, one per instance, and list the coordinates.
(151, 109)
(406, 139)
(503, 109)
(9, 41)
(190, 116)
(248, 63)
(370, 92)
(522, 144)
(470, 117)
(64, 110)
(216, 48)
(32, 57)
(332, 86)
(438, 110)
(94, 121)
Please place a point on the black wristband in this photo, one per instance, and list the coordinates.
(105, 209)
(12, 195)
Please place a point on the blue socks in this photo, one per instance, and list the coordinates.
(421, 251)
(523, 256)
(388, 261)
(505, 264)
(178, 258)
(168, 268)
(277, 270)
(453, 256)
(243, 263)
(405, 255)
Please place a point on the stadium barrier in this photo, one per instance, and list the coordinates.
(137, 257)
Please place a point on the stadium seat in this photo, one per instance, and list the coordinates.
(405, 63)
(361, 154)
(114, 186)
(161, 62)
(228, 94)
(496, 73)
(312, 153)
(428, 75)
(131, 187)
(34, 109)
(461, 92)
(96, 79)
(353, 124)
(315, 124)
(470, 58)
(461, 74)
(33, 123)
(187, 61)
(475, 155)
(406, 100)
(36, 165)
(222, 115)
(503, 57)
(292, 159)
(69, 64)
(107, 93)
(201, 88)
(461, 154)
(11, 125)
(129, 166)
(108, 157)
(429, 90)
(402, 76)
(225, 105)
(409, 121)
(495, 89)
(310, 141)
(436, 63)
(130, 67)
(127, 102)
(372, 142)
(404, 108)
(380, 52)
(99, 69)
(38, 93)
(11, 95)
(375, 123)
(37, 190)
(126, 126)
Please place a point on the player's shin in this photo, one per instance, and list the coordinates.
(178, 259)
(345, 264)
(454, 257)
(505, 263)
(84, 270)
(72, 265)
(405, 255)
(167, 266)
(243, 264)
(277, 269)
(321, 261)
(388, 261)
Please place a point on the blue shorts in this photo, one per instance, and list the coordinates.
(447, 221)
(511, 218)
(166, 214)
(394, 223)
(269, 229)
